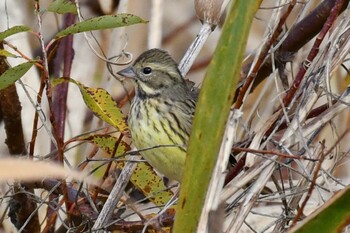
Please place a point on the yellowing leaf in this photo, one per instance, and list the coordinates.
(6, 53)
(147, 180)
(101, 103)
(347, 80)
(107, 143)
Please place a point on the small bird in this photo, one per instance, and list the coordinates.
(161, 112)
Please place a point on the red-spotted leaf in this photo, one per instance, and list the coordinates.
(147, 180)
(108, 143)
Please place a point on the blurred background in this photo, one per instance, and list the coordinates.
(173, 26)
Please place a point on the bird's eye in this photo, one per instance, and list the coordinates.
(147, 70)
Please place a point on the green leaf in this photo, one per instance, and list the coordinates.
(57, 81)
(102, 22)
(13, 30)
(62, 7)
(144, 177)
(5, 53)
(101, 103)
(213, 107)
(11, 75)
(333, 216)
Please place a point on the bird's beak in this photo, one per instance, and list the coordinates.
(127, 72)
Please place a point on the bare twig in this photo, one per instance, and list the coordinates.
(113, 198)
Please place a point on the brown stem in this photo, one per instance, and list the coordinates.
(109, 165)
(58, 109)
(313, 113)
(61, 90)
(263, 55)
(36, 117)
(299, 35)
(270, 152)
(311, 188)
(322, 156)
(11, 111)
(235, 170)
(165, 220)
(314, 51)
(21, 205)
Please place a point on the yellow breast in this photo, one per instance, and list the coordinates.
(159, 137)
